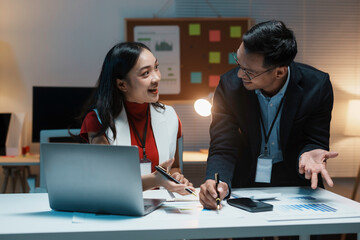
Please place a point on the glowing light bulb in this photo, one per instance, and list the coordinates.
(202, 107)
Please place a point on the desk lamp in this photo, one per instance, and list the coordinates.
(203, 106)
(352, 128)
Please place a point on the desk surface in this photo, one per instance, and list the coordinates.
(20, 160)
(188, 157)
(194, 157)
(28, 216)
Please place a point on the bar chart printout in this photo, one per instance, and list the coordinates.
(307, 208)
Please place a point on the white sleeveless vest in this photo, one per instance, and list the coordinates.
(165, 126)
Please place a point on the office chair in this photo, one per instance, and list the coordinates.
(45, 137)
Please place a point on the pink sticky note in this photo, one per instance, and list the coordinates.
(214, 35)
(214, 80)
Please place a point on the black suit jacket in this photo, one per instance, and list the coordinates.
(235, 128)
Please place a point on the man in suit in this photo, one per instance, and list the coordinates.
(270, 118)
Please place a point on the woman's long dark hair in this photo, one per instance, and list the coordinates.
(107, 98)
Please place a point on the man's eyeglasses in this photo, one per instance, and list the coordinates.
(249, 75)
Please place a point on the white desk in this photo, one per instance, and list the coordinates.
(17, 167)
(195, 157)
(30, 160)
(28, 216)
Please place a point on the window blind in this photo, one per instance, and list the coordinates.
(328, 35)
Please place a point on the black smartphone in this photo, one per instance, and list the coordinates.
(250, 205)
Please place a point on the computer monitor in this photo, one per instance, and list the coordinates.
(57, 108)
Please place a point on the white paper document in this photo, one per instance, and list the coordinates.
(174, 197)
(193, 211)
(164, 42)
(255, 194)
(307, 207)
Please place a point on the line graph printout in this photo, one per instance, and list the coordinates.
(164, 42)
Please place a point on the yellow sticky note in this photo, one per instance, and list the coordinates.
(235, 31)
(214, 57)
(194, 29)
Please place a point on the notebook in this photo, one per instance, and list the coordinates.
(95, 178)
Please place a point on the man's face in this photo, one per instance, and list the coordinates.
(252, 73)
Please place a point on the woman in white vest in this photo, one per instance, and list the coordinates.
(124, 110)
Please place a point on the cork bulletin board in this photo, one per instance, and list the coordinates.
(205, 47)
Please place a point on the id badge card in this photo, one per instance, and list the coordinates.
(145, 166)
(263, 169)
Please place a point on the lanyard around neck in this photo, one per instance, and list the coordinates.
(272, 125)
(142, 140)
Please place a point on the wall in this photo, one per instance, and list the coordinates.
(328, 37)
(59, 43)
(63, 43)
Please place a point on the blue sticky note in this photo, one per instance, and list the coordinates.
(231, 59)
(195, 77)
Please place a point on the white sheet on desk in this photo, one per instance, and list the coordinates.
(165, 195)
(255, 194)
(191, 210)
(287, 208)
(171, 211)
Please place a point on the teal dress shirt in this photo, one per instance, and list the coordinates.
(268, 108)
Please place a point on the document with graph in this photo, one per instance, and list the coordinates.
(304, 206)
(164, 42)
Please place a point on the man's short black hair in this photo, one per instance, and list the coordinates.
(274, 41)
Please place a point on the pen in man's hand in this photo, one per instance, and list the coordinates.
(168, 176)
(218, 194)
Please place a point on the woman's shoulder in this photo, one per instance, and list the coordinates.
(91, 122)
(165, 110)
(91, 116)
(169, 108)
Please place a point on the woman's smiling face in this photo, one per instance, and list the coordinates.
(143, 79)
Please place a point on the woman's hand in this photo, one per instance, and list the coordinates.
(178, 176)
(170, 185)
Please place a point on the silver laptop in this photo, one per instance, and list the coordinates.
(95, 178)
